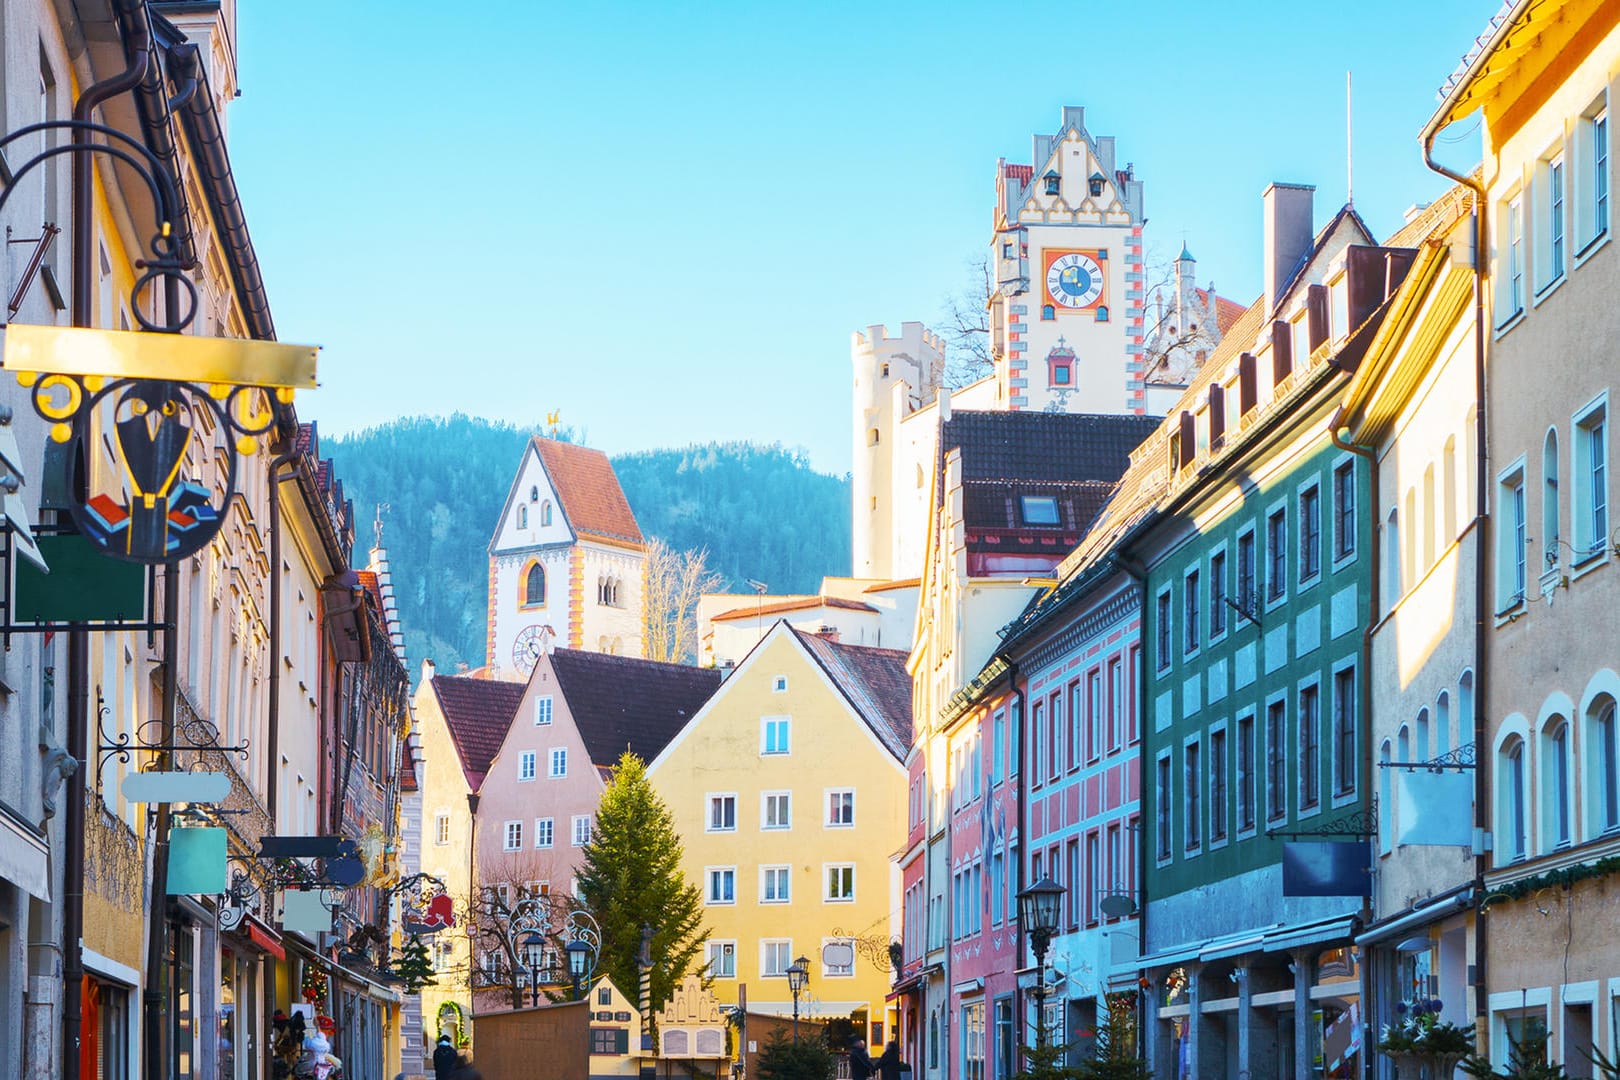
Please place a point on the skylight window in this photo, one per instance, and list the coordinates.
(1039, 509)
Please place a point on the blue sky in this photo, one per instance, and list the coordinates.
(665, 219)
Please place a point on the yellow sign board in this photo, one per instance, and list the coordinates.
(126, 354)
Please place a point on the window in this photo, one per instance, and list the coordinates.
(441, 829)
(526, 765)
(1053, 180)
(1310, 751)
(1217, 786)
(1192, 783)
(1512, 541)
(1116, 702)
(1054, 763)
(582, 830)
(774, 883)
(1514, 235)
(1276, 781)
(1606, 762)
(973, 1041)
(776, 810)
(1344, 731)
(545, 512)
(1591, 499)
(1246, 596)
(1344, 510)
(722, 813)
(1245, 773)
(1553, 247)
(840, 808)
(775, 956)
(1161, 800)
(1217, 594)
(1162, 629)
(1060, 377)
(523, 517)
(1076, 886)
(1048, 313)
(534, 586)
(1094, 882)
(1037, 742)
(722, 885)
(1277, 553)
(1512, 829)
(542, 832)
(1310, 533)
(1549, 495)
(1040, 509)
(774, 735)
(542, 710)
(840, 883)
(779, 684)
(998, 728)
(514, 836)
(1191, 597)
(1596, 129)
(559, 762)
(610, 1040)
(1555, 784)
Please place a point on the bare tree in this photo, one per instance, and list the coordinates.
(674, 581)
(966, 327)
(512, 896)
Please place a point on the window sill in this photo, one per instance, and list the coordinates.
(1590, 562)
(1506, 326)
(1342, 561)
(1516, 609)
(1593, 246)
(1548, 289)
(1309, 583)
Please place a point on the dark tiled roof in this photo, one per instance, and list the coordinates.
(809, 603)
(622, 703)
(477, 712)
(992, 505)
(589, 491)
(874, 681)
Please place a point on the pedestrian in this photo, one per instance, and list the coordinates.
(888, 1064)
(860, 1063)
(445, 1059)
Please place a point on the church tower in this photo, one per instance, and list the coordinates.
(1066, 313)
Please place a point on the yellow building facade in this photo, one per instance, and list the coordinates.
(788, 791)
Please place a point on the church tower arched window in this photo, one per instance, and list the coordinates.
(534, 586)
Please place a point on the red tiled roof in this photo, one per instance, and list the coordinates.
(807, 604)
(875, 683)
(624, 703)
(477, 712)
(1026, 173)
(1227, 312)
(589, 491)
(903, 583)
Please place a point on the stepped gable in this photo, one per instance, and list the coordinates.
(589, 491)
(623, 703)
(875, 683)
(477, 712)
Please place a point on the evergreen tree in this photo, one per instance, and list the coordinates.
(1045, 1060)
(414, 967)
(632, 877)
(807, 1059)
(1114, 1055)
(1527, 1060)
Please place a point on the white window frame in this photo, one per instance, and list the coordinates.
(827, 803)
(542, 710)
(765, 798)
(1592, 521)
(1551, 236)
(1219, 551)
(779, 684)
(528, 765)
(1329, 702)
(577, 836)
(782, 875)
(557, 763)
(441, 829)
(1512, 524)
(1215, 811)
(1555, 784)
(1591, 175)
(713, 875)
(545, 832)
(1510, 298)
(1192, 796)
(724, 948)
(766, 723)
(511, 830)
(845, 880)
(719, 800)
(785, 948)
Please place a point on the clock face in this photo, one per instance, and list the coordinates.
(526, 650)
(1074, 280)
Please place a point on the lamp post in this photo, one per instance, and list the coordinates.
(798, 973)
(1039, 909)
(579, 956)
(533, 945)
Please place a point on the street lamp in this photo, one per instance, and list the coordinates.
(533, 945)
(579, 957)
(798, 973)
(1040, 907)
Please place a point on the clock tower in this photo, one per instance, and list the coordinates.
(1066, 311)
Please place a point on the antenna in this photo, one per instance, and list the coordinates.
(377, 522)
(1349, 147)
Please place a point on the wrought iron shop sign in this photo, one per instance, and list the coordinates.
(153, 396)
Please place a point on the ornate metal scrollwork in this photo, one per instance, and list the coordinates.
(1359, 825)
(1461, 759)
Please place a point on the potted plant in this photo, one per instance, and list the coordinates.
(1421, 1041)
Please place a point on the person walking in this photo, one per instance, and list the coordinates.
(860, 1063)
(445, 1059)
(888, 1063)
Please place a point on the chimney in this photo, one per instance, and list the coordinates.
(1288, 235)
(428, 670)
(828, 632)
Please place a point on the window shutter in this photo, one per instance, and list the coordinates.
(1217, 415)
(1282, 351)
(1316, 310)
(1189, 441)
(1248, 395)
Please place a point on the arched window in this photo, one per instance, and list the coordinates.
(1429, 548)
(534, 493)
(1442, 724)
(1465, 708)
(534, 586)
(1510, 800)
(1386, 784)
(1102, 312)
(872, 437)
(1549, 497)
(933, 1040)
(1555, 750)
(1409, 554)
(523, 516)
(545, 512)
(1420, 736)
(1392, 560)
(1603, 750)
(1448, 484)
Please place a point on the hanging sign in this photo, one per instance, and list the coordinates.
(176, 787)
(196, 861)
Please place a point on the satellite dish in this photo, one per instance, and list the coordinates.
(1117, 905)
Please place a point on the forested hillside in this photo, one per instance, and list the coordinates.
(761, 512)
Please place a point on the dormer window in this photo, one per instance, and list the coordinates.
(1039, 509)
(1096, 183)
(1052, 180)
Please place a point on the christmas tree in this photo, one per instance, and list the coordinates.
(414, 968)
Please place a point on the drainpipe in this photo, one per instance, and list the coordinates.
(273, 736)
(1482, 1027)
(78, 641)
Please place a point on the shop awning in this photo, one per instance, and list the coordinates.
(1451, 902)
(1276, 938)
(266, 940)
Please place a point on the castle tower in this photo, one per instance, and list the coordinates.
(894, 378)
(1067, 253)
